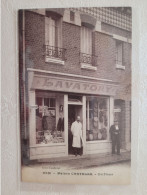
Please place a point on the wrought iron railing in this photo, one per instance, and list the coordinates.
(88, 59)
(55, 52)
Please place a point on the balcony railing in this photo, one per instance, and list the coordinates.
(55, 52)
(88, 59)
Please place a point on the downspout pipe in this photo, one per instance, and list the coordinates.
(24, 74)
(26, 137)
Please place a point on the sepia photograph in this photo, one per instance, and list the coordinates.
(75, 95)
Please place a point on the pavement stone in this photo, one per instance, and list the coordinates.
(85, 161)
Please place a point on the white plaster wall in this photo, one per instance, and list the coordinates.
(10, 118)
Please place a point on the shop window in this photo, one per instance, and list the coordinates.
(49, 121)
(97, 118)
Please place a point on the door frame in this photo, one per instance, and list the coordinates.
(83, 104)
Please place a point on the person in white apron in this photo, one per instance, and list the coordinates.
(76, 129)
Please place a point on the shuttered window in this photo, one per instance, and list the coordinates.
(86, 40)
(52, 32)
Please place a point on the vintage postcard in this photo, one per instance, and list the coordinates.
(75, 95)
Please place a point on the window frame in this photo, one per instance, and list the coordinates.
(119, 63)
(119, 53)
(87, 58)
(108, 118)
(49, 96)
(86, 44)
(58, 30)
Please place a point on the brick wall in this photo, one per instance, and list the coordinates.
(124, 121)
(104, 48)
(123, 124)
(34, 39)
(71, 42)
(128, 123)
(124, 76)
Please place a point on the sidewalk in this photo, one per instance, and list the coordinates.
(86, 161)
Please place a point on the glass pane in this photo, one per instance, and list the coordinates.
(97, 119)
(53, 32)
(38, 119)
(86, 41)
(46, 102)
(103, 119)
(52, 102)
(49, 123)
(38, 103)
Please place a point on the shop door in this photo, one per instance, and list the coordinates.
(73, 112)
(118, 116)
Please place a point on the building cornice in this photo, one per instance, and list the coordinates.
(69, 75)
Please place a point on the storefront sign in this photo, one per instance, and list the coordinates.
(59, 84)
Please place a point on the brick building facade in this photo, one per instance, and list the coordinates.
(78, 59)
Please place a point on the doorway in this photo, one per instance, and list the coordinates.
(120, 116)
(73, 112)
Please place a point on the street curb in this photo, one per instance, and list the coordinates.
(103, 164)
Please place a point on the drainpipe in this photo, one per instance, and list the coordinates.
(24, 75)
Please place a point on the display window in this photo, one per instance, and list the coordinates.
(97, 118)
(49, 118)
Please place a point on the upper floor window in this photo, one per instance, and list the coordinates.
(119, 52)
(86, 40)
(119, 55)
(88, 60)
(53, 40)
(72, 16)
(53, 32)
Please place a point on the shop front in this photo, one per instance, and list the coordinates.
(55, 102)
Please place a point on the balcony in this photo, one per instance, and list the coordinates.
(88, 61)
(55, 54)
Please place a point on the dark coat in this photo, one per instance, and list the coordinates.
(60, 125)
(48, 123)
(114, 132)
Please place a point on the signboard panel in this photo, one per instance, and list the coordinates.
(69, 85)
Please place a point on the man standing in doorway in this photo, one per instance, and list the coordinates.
(115, 136)
(76, 129)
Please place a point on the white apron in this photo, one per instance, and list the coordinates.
(76, 130)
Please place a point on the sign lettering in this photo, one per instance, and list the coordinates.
(60, 84)
(68, 84)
